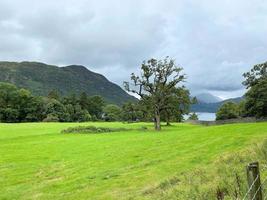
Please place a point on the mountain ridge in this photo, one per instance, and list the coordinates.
(208, 98)
(41, 78)
(212, 107)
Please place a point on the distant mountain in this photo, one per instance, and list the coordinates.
(212, 107)
(207, 98)
(41, 78)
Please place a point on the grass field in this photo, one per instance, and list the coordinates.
(38, 162)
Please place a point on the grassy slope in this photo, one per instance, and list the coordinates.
(39, 163)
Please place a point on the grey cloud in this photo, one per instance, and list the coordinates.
(215, 41)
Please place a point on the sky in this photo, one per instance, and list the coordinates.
(215, 41)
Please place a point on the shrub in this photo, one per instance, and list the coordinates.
(193, 116)
(92, 129)
(51, 118)
(144, 128)
(228, 110)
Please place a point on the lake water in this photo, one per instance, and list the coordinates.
(205, 116)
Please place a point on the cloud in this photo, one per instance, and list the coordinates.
(215, 41)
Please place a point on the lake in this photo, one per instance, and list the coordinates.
(204, 116)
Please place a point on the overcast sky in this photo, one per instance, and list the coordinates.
(215, 41)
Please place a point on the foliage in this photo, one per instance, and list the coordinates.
(228, 110)
(41, 79)
(193, 116)
(112, 113)
(178, 105)
(19, 105)
(51, 118)
(156, 85)
(95, 106)
(55, 108)
(242, 108)
(256, 74)
(130, 112)
(256, 96)
(53, 94)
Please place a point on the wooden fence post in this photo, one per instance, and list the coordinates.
(254, 182)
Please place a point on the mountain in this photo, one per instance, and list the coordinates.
(212, 107)
(41, 78)
(207, 98)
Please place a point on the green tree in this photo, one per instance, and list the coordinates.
(176, 105)
(256, 96)
(130, 112)
(193, 116)
(24, 104)
(242, 108)
(145, 110)
(53, 95)
(36, 111)
(70, 99)
(17, 105)
(95, 106)
(80, 115)
(56, 109)
(8, 98)
(84, 101)
(228, 110)
(157, 82)
(112, 113)
(9, 115)
(8, 95)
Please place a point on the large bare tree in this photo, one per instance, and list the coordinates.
(157, 82)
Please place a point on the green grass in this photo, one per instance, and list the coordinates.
(38, 162)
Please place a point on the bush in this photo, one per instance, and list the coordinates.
(228, 110)
(144, 128)
(193, 116)
(51, 118)
(112, 113)
(9, 115)
(92, 129)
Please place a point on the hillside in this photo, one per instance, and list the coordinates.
(212, 107)
(41, 78)
(38, 162)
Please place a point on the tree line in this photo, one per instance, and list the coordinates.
(20, 105)
(163, 97)
(255, 99)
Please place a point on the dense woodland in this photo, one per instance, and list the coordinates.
(20, 105)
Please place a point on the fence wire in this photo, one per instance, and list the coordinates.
(250, 188)
(259, 188)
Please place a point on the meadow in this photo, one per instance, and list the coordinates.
(37, 161)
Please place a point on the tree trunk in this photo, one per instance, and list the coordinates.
(157, 122)
(168, 120)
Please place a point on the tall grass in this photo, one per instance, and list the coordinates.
(224, 179)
